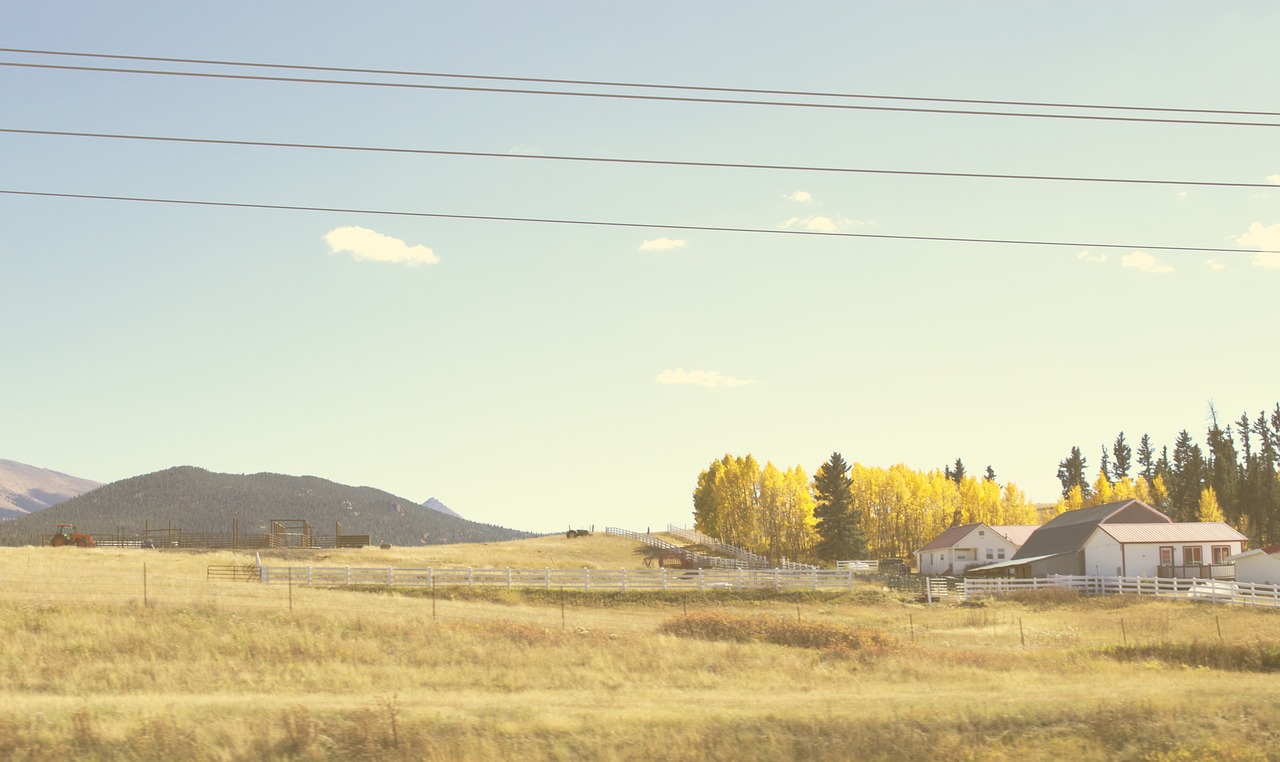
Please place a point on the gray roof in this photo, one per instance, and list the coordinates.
(1067, 532)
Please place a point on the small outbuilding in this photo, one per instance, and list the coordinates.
(1260, 566)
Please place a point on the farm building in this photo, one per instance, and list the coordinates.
(1127, 539)
(1260, 566)
(960, 547)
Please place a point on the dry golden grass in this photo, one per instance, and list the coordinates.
(96, 667)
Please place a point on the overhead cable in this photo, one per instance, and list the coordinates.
(648, 162)
(633, 225)
(633, 85)
(639, 97)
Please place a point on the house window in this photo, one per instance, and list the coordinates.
(1000, 553)
(1191, 555)
(982, 533)
(1166, 555)
(990, 554)
(1220, 553)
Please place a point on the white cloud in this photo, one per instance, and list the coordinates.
(1261, 237)
(823, 224)
(1214, 265)
(1267, 260)
(1273, 179)
(1141, 260)
(1089, 256)
(801, 196)
(708, 378)
(366, 244)
(662, 244)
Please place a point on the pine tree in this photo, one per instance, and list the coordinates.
(1146, 458)
(1071, 472)
(1122, 454)
(1188, 477)
(990, 475)
(839, 526)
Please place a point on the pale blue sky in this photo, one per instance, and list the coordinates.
(527, 377)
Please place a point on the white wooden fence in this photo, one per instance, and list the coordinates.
(705, 561)
(1212, 590)
(568, 579)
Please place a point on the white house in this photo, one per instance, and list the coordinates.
(960, 547)
(1260, 566)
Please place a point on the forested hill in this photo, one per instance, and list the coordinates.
(196, 500)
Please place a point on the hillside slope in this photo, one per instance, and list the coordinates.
(25, 489)
(195, 500)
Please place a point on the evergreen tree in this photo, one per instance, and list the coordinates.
(956, 474)
(1224, 471)
(1188, 477)
(1105, 466)
(1122, 454)
(990, 475)
(1146, 458)
(839, 526)
(1071, 473)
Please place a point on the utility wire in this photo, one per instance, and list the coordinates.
(633, 85)
(636, 97)
(615, 224)
(648, 162)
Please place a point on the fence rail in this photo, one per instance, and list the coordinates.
(704, 561)
(569, 579)
(1213, 590)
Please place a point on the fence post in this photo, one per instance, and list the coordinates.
(777, 582)
(347, 579)
(663, 575)
(849, 570)
(624, 580)
(546, 577)
(508, 577)
(470, 576)
(586, 579)
(391, 577)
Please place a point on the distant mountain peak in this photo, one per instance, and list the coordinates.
(436, 505)
(25, 489)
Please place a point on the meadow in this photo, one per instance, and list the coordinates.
(122, 654)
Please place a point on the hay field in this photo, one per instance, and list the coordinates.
(135, 655)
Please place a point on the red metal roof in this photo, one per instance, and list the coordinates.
(1183, 532)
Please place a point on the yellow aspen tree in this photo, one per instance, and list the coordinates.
(1209, 510)
(1015, 508)
(1123, 489)
(1102, 490)
(1075, 498)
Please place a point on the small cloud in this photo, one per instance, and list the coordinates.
(1089, 256)
(1183, 194)
(823, 224)
(1214, 265)
(1273, 179)
(1141, 260)
(709, 378)
(800, 196)
(366, 244)
(662, 244)
(1267, 260)
(1261, 237)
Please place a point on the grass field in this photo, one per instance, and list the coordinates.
(135, 655)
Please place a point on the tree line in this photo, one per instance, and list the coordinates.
(1221, 481)
(847, 511)
(857, 511)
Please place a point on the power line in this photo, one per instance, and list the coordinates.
(637, 97)
(648, 162)
(633, 225)
(634, 85)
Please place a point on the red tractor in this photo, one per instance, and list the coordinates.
(67, 535)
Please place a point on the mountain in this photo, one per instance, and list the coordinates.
(24, 489)
(198, 501)
(436, 505)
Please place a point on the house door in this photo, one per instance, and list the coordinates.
(1166, 556)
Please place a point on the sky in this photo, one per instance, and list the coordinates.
(540, 375)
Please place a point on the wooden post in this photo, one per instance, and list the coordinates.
(144, 585)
